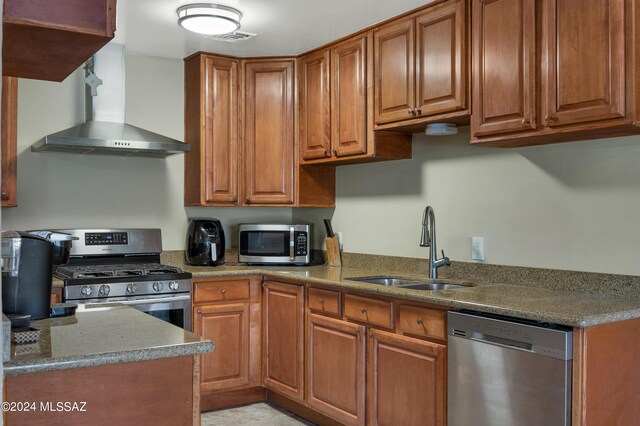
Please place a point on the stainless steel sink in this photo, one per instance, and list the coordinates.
(413, 283)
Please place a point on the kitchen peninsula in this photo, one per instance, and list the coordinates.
(107, 364)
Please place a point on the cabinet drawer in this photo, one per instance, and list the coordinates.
(422, 322)
(220, 291)
(324, 301)
(371, 311)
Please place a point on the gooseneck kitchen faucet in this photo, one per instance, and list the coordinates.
(426, 240)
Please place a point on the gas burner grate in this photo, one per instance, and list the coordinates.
(104, 271)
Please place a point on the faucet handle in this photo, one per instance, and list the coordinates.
(447, 261)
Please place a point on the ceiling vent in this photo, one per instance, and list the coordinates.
(233, 37)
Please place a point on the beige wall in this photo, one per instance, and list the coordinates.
(62, 190)
(567, 206)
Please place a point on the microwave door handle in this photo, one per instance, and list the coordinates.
(292, 254)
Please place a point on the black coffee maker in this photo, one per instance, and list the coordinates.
(27, 267)
(205, 242)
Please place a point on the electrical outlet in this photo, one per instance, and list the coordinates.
(477, 248)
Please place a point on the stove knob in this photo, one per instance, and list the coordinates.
(158, 286)
(86, 290)
(174, 285)
(104, 290)
(131, 288)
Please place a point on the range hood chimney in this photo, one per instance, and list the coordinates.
(105, 131)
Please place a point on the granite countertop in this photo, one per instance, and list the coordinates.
(100, 335)
(571, 307)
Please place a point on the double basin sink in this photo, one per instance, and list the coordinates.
(429, 284)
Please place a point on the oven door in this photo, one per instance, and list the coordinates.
(174, 309)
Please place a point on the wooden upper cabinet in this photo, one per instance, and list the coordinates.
(394, 61)
(283, 334)
(349, 96)
(315, 104)
(585, 66)
(441, 59)
(211, 128)
(48, 40)
(421, 64)
(268, 146)
(504, 66)
(9, 141)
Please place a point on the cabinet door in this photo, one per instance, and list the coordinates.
(406, 381)
(9, 140)
(315, 101)
(220, 131)
(441, 64)
(349, 97)
(228, 326)
(394, 71)
(504, 76)
(283, 338)
(268, 132)
(335, 368)
(585, 52)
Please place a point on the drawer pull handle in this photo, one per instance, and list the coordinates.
(223, 291)
(320, 301)
(363, 311)
(419, 322)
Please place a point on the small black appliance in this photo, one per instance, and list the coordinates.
(27, 268)
(205, 242)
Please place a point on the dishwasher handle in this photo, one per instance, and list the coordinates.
(501, 341)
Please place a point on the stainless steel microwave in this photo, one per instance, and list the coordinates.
(273, 244)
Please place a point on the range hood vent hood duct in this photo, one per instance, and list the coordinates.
(105, 131)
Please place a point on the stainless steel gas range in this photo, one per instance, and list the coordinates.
(123, 266)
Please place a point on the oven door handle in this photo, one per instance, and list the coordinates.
(154, 300)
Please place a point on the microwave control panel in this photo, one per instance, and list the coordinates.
(301, 243)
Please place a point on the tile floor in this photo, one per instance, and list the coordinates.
(261, 414)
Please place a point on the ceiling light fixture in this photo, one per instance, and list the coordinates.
(209, 18)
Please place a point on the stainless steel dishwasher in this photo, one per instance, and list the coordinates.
(504, 371)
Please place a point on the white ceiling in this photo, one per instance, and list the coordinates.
(284, 27)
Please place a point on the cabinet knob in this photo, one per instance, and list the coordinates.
(235, 199)
(550, 118)
(411, 112)
(525, 121)
(199, 311)
(326, 153)
(419, 111)
(363, 311)
(247, 200)
(335, 152)
(223, 291)
(320, 301)
(419, 322)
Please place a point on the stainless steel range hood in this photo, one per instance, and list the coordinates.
(105, 131)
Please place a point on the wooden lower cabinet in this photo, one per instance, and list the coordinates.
(283, 358)
(228, 326)
(228, 312)
(336, 369)
(406, 381)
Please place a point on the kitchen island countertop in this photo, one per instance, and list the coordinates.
(101, 335)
